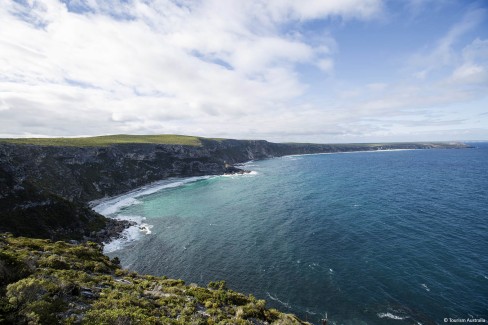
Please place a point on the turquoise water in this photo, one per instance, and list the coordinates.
(398, 237)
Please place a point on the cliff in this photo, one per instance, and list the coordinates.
(85, 173)
(47, 183)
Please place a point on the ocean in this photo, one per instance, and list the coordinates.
(385, 237)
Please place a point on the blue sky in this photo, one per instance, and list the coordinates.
(281, 70)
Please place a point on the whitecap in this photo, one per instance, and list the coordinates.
(390, 316)
(287, 305)
(313, 266)
(425, 287)
(310, 312)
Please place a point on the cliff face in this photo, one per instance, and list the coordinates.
(30, 210)
(58, 181)
(88, 173)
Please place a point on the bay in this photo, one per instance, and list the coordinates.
(394, 237)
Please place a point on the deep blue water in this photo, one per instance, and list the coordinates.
(397, 237)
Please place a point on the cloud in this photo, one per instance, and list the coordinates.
(326, 65)
(377, 86)
(214, 68)
(3, 105)
(469, 73)
(310, 9)
(142, 66)
(473, 69)
(443, 53)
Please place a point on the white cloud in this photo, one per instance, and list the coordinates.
(473, 69)
(311, 9)
(477, 50)
(4, 106)
(213, 67)
(149, 64)
(377, 86)
(326, 65)
(443, 53)
(469, 73)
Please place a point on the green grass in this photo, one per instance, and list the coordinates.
(108, 140)
(175, 139)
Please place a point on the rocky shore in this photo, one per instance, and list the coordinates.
(112, 230)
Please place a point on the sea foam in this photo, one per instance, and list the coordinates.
(129, 235)
(113, 207)
(390, 316)
(286, 304)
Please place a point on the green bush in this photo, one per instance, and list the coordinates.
(71, 284)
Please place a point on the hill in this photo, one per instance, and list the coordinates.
(107, 140)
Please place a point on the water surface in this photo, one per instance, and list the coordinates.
(396, 237)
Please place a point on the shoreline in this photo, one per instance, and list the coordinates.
(110, 206)
(352, 152)
(137, 227)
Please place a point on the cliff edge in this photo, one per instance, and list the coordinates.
(47, 183)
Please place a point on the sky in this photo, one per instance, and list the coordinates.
(323, 71)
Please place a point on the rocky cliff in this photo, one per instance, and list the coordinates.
(45, 188)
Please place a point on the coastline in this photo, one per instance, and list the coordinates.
(352, 152)
(66, 188)
(136, 227)
(174, 248)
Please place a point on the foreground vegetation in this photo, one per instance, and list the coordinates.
(107, 140)
(45, 282)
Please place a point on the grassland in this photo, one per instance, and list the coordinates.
(107, 140)
(175, 139)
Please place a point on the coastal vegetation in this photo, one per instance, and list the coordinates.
(186, 140)
(46, 282)
(106, 140)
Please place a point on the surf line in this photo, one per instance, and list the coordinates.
(111, 208)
